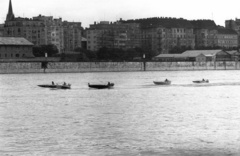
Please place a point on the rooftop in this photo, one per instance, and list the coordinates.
(14, 41)
(168, 55)
(164, 22)
(233, 52)
(195, 53)
(203, 24)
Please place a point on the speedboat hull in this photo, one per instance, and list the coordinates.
(56, 86)
(63, 87)
(201, 81)
(162, 82)
(101, 86)
(48, 86)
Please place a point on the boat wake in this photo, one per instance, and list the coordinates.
(219, 84)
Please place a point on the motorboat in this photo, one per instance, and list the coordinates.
(56, 86)
(166, 82)
(201, 81)
(101, 86)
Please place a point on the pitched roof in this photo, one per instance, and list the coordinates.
(195, 53)
(168, 55)
(203, 24)
(233, 52)
(14, 41)
(164, 22)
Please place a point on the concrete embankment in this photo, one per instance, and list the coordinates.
(151, 66)
(9, 68)
(94, 66)
(68, 67)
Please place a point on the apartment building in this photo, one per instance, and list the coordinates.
(40, 30)
(160, 35)
(226, 38)
(113, 35)
(44, 30)
(234, 25)
(52, 32)
(72, 35)
(205, 32)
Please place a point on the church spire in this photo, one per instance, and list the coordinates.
(10, 15)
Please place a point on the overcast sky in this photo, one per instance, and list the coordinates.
(88, 11)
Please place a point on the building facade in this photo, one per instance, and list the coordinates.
(234, 25)
(196, 55)
(160, 35)
(40, 30)
(1, 30)
(205, 32)
(44, 30)
(72, 35)
(113, 35)
(162, 40)
(226, 38)
(15, 47)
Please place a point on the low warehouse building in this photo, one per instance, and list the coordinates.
(15, 48)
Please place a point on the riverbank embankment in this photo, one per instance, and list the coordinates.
(71, 67)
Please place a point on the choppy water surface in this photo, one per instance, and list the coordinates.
(136, 118)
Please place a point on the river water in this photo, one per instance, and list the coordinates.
(136, 118)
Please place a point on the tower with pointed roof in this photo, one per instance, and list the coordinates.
(10, 15)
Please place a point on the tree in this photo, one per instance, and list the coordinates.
(103, 53)
(39, 51)
(88, 54)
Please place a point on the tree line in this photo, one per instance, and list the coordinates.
(110, 54)
(103, 54)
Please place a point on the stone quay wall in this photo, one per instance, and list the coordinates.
(94, 66)
(152, 66)
(78, 67)
(26, 67)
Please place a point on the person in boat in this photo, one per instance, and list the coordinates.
(166, 80)
(109, 83)
(203, 80)
(64, 84)
(52, 83)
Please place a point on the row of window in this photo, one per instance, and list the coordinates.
(228, 37)
(11, 55)
(173, 30)
(227, 42)
(24, 24)
(6, 48)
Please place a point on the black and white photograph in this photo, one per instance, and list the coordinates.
(119, 78)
